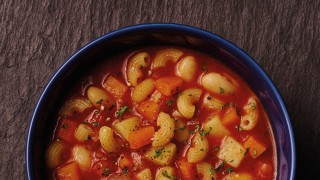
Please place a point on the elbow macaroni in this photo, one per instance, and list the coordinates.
(216, 83)
(83, 132)
(211, 102)
(187, 68)
(142, 90)
(250, 119)
(185, 102)
(82, 156)
(199, 149)
(108, 142)
(99, 97)
(166, 131)
(75, 105)
(206, 170)
(54, 153)
(135, 64)
(126, 126)
(163, 56)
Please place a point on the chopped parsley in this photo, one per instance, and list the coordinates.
(95, 123)
(215, 148)
(238, 127)
(96, 112)
(85, 122)
(221, 90)
(228, 104)
(64, 126)
(100, 101)
(122, 111)
(204, 133)
(204, 67)
(170, 102)
(158, 152)
(111, 107)
(125, 170)
(88, 137)
(253, 106)
(211, 170)
(167, 175)
(201, 149)
(254, 152)
(106, 172)
(229, 170)
(182, 128)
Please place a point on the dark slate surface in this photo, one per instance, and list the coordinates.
(38, 36)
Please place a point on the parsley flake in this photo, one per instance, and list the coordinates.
(122, 111)
(170, 102)
(106, 172)
(95, 123)
(64, 126)
(158, 152)
(221, 90)
(254, 152)
(100, 101)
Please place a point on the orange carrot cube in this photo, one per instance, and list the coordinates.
(255, 147)
(186, 169)
(149, 110)
(69, 172)
(230, 116)
(168, 85)
(115, 87)
(141, 137)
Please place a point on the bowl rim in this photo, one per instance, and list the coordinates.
(212, 37)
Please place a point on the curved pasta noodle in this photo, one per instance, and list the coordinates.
(166, 131)
(165, 173)
(83, 132)
(142, 90)
(163, 56)
(217, 83)
(250, 119)
(54, 153)
(126, 126)
(187, 68)
(185, 101)
(239, 176)
(75, 105)
(162, 155)
(231, 151)
(206, 170)
(82, 156)
(107, 140)
(199, 149)
(145, 174)
(211, 102)
(182, 133)
(135, 64)
(99, 97)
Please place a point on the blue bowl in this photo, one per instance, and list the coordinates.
(46, 110)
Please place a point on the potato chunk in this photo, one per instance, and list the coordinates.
(231, 151)
(162, 155)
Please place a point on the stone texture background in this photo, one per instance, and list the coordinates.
(36, 37)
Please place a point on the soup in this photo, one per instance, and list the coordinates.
(162, 113)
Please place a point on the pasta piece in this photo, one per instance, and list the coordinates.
(99, 97)
(74, 105)
(250, 119)
(199, 149)
(185, 102)
(142, 90)
(166, 131)
(217, 83)
(135, 64)
(108, 142)
(239, 176)
(115, 87)
(231, 151)
(83, 132)
(163, 56)
(214, 127)
(69, 171)
(165, 173)
(145, 174)
(211, 102)
(187, 68)
(126, 126)
(54, 153)
(162, 155)
(82, 156)
(206, 170)
(182, 133)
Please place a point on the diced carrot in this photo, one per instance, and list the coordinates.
(255, 147)
(69, 172)
(186, 169)
(115, 87)
(230, 116)
(263, 170)
(124, 161)
(149, 110)
(66, 130)
(141, 137)
(168, 85)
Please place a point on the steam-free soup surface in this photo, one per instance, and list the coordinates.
(161, 113)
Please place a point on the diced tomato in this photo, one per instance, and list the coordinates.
(66, 130)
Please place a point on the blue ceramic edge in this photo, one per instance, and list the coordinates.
(160, 26)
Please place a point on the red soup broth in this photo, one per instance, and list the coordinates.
(140, 113)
